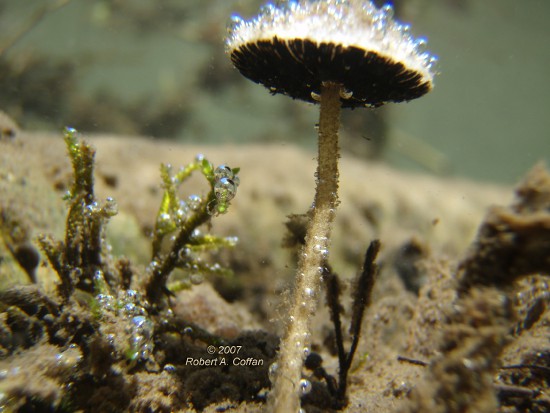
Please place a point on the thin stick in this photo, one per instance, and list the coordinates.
(332, 285)
(412, 361)
(361, 301)
(285, 395)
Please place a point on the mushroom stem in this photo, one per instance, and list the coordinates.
(294, 347)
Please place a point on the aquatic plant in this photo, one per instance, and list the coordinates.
(104, 314)
(81, 254)
(338, 54)
(184, 217)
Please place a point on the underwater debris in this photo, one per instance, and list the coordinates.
(406, 264)
(16, 236)
(338, 54)
(8, 128)
(512, 243)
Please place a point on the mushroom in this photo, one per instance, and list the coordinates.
(339, 54)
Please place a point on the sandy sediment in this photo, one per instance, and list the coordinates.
(425, 225)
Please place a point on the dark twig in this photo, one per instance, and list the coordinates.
(29, 298)
(412, 361)
(332, 284)
(361, 300)
(362, 296)
(506, 394)
(535, 367)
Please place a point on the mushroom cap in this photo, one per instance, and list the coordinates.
(295, 47)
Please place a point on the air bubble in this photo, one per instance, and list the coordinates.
(321, 250)
(184, 254)
(170, 368)
(98, 276)
(132, 295)
(225, 189)
(212, 208)
(232, 241)
(141, 323)
(304, 387)
(268, 10)
(405, 28)
(194, 202)
(153, 266)
(223, 171)
(130, 308)
(387, 10)
(431, 62)
(110, 208)
(234, 21)
(420, 44)
(164, 222)
(92, 208)
(181, 212)
(106, 302)
(381, 21)
(196, 279)
(272, 371)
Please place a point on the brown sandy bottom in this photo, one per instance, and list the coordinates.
(473, 315)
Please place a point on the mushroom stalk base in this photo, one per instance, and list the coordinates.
(295, 345)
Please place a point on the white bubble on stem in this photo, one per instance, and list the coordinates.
(304, 387)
